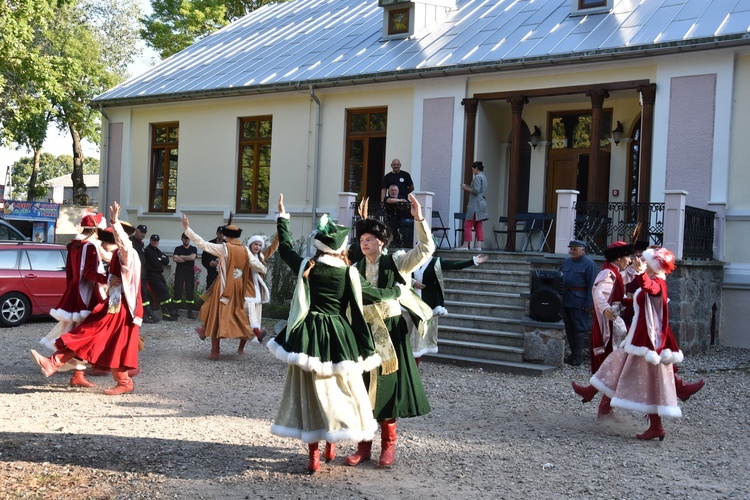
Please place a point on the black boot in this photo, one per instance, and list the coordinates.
(576, 348)
(149, 316)
(191, 311)
(175, 309)
(166, 312)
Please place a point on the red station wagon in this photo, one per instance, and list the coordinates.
(32, 280)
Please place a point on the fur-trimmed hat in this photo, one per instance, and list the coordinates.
(375, 228)
(660, 259)
(330, 237)
(92, 220)
(231, 231)
(616, 250)
(256, 237)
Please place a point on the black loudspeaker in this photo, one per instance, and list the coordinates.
(545, 302)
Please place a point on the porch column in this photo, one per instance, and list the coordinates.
(597, 101)
(674, 221)
(516, 104)
(470, 126)
(346, 212)
(425, 199)
(648, 97)
(565, 219)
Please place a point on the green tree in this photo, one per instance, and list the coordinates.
(177, 24)
(49, 167)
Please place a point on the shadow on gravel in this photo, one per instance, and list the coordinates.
(173, 458)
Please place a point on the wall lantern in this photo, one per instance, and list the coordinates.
(536, 137)
(617, 133)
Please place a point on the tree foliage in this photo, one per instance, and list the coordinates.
(50, 166)
(177, 24)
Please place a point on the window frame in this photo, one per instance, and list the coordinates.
(365, 136)
(256, 143)
(167, 148)
(586, 7)
(409, 20)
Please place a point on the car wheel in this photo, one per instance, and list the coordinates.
(15, 309)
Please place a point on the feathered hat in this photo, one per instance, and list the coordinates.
(616, 250)
(92, 220)
(366, 225)
(660, 259)
(331, 237)
(230, 230)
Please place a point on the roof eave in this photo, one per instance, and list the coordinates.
(443, 71)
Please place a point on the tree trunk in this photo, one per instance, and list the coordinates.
(79, 187)
(31, 188)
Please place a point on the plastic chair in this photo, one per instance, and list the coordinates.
(458, 222)
(441, 229)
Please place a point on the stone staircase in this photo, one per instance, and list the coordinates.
(485, 306)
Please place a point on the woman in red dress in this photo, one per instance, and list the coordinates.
(108, 337)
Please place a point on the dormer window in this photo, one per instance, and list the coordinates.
(586, 7)
(398, 21)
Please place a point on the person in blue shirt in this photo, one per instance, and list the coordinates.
(579, 273)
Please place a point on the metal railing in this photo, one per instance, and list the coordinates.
(698, 243)
(402, 228)
(599, 224)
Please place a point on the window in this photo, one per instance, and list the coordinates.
(398, 21)
(573, 129)
(164, 148)
(588, 4)
(586, 7)
(46, 260)
(365, 151)
(8, 259)
(254, 165)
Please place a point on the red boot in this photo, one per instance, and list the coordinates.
(587, 393)
(78, 380)
(241, 348)
(260, 334)
(417, 360)
(214, 349)
(313, 462)
(605, 410)
(684, 391)
(124, 383)
(51, 364)
(387, 443)
(133, 372)
(330, 452)
(655, 430)
(201, 332)
(364, 450)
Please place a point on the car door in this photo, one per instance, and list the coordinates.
(43, 274)
(10, 279)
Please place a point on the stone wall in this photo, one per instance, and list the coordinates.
(695, 299)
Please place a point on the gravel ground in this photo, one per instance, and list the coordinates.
(195, 428)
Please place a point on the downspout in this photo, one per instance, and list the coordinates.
(316, 166)
(104, 164)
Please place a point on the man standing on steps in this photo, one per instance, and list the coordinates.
(579, 273)
(398, 177)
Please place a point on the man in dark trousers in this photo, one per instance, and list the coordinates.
(137, 240)
(579, 273)
(184, 276)
(155, 262)
(211, 262)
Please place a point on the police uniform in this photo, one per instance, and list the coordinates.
(578, 280)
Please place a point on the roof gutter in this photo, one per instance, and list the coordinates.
(607, 55)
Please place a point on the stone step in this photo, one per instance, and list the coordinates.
(514, 274)
(494, 257)
(512, 299)
(480, 350)
(505, 338)
(528, 369)
(487, 285)
(482, 322)
(485, 309)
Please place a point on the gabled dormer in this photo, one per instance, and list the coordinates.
(586, 7)
(403, 18)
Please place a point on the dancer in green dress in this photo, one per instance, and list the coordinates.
(327, 345)
(398, 386)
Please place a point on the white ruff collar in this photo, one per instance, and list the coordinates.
(332, 261)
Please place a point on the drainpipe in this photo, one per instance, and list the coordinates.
(316, 164)
(104, 165)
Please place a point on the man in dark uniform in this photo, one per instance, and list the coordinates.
(209, 261)
(137, 240)
(155, 262)
(184, 276)
(579, 273)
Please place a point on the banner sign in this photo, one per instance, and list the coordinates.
(30, 210)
